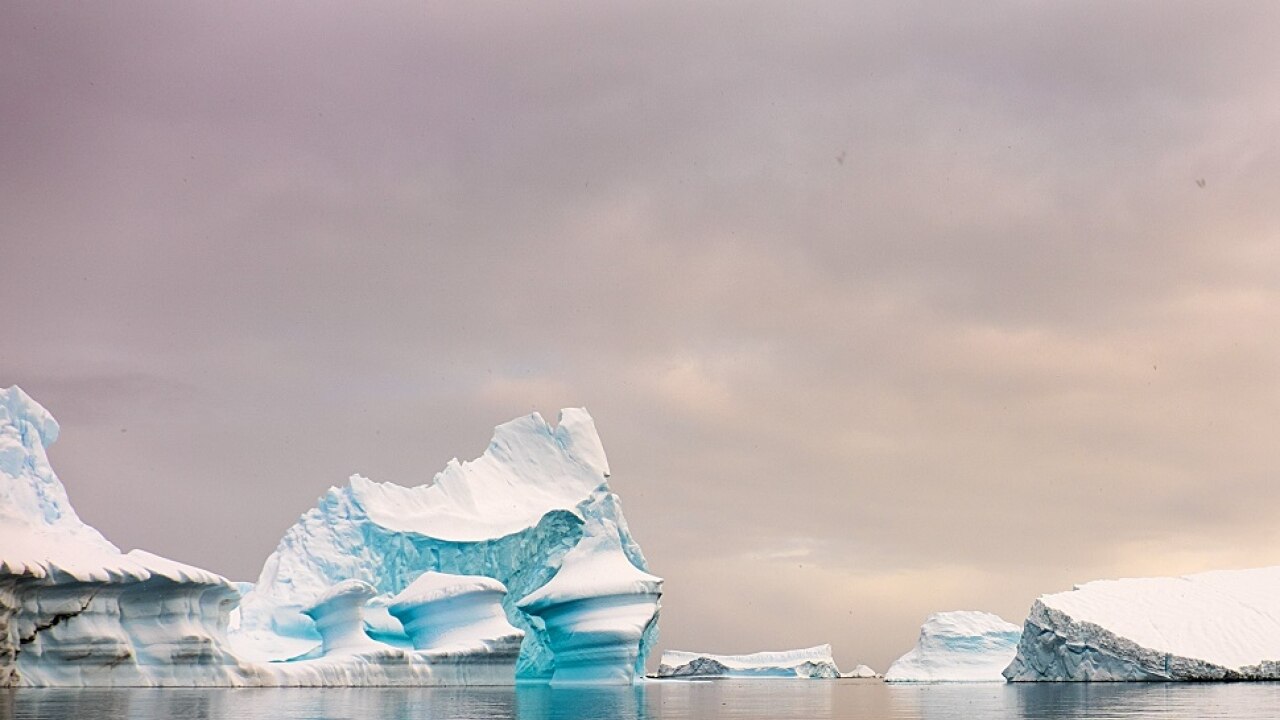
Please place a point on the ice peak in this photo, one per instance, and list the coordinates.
(30, 491)
(17, 408)
(576, 432)
(524, 438)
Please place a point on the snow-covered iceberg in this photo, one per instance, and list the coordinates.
(861, 671)
(534, 512)
(1222, 625)
(74, 610)
(959, 646)
(814, 662)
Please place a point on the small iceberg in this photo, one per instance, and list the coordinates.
(959, 646)
(812, 663)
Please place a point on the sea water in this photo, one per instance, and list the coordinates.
(665, 700)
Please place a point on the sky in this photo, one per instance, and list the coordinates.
(881, 308)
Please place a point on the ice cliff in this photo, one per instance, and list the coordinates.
(534, 513)
(1222, 625)
(814, 662)
(959, 646)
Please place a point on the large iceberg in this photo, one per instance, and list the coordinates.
(379, 585)
(534, 513)
(1222, 625)
(814, 662)
(959, 646)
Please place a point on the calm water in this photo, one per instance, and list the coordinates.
(768, 700)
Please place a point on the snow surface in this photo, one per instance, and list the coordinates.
(958, 646)
(814, 662)
(537, 495)
(1208, 626)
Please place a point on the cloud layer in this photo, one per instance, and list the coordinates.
(881, 310)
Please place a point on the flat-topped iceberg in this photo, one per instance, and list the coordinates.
(527, 513)
(1222, 625)
(815, 662)
(958, 646)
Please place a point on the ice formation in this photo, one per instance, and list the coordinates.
(814, 662)
(1222, 625)
(861, 671)
(959, 646)
(379, 585)
(339, 617)
(534, 513)
(74, 610)
(457, 613)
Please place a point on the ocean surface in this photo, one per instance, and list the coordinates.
(674, 700)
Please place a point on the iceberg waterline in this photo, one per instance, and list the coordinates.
(517, 563)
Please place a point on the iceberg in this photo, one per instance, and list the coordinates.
(379, 585)
(1221, 625)
(958, 646)
(861, 671)
(534, 513)
(74, 609)
(815, 662)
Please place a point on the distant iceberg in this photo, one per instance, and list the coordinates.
(517, 563)
(861, 671)
(814, 662)
(959, 646)
(1222, 625)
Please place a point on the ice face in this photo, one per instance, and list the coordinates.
(1222, 625)
(534, 506)
(815, 662)
(959, 646)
